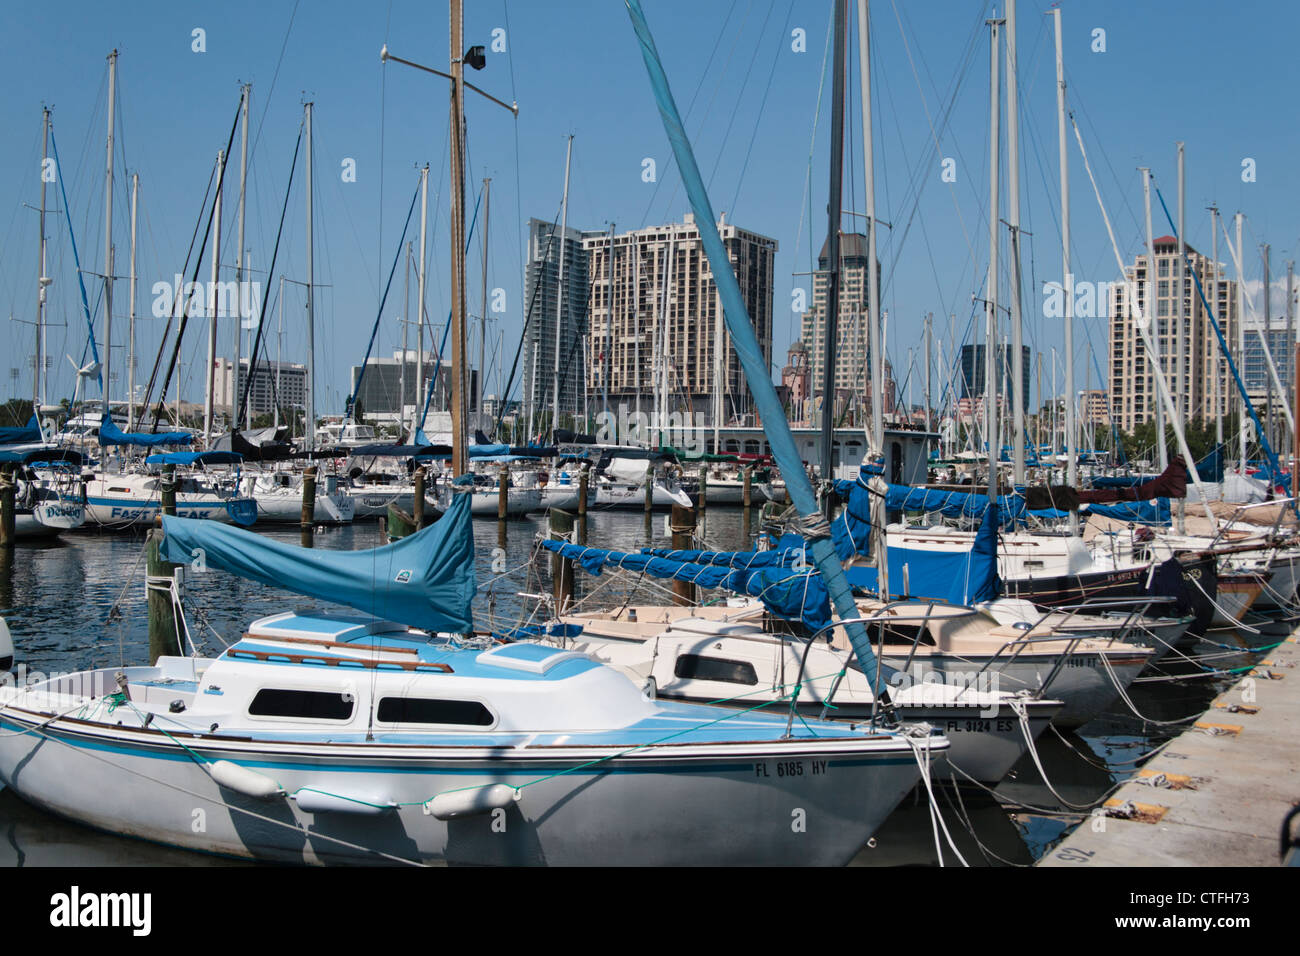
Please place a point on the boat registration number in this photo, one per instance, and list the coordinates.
(791, 768)
(1003, 725)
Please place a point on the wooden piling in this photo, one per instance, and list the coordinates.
(561, 529)
(683, 529)
(748, 494)
(503, 494)
(649, 488)
(163, 636)
(168, 487)
(582, 505)
(309, 497)
(417, 505)
(702, 500)
(8, 488)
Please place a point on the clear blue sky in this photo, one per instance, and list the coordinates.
(1220, 77)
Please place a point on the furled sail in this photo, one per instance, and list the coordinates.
(110, 434)
(425, 580)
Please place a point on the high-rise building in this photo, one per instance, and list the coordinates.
(380, 395)
(852, 373)
(542, 302)
(1133, 390)
(283, 383)
(664, 320)
(1255, 365)
(971, 385)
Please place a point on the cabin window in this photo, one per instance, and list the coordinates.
(696, 667)
(310, 704)
(428, 710)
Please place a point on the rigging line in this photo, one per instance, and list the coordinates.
(645, 217)
(761, 107)
(257, 137)
(185, 316)
(261, 319)
(722, 147)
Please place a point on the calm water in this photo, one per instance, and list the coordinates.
(57, 599)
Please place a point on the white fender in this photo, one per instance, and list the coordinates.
(6, 646)
(245, 781)
(314, 801)
(464, 803)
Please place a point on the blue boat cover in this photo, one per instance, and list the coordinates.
(424, 580)
(796, 594)
(733, 559)
(21, 436)
(195, 458)
(110, 434)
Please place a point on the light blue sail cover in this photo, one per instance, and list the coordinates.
(425, 580)
(745, 341)
(110, 434)
(794, 593)
(733, 559)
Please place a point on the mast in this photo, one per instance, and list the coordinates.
(239, 268)
(874, 344)
(1241, 343)
(560, 310)
(210, 396)
(279, 358)
(609, 325)
(1149, 308)
(1214, 304)
(42, 279)
(419, 304)
(929, 321)
(1017, 389)
(406, 322)
(310, 425)
(1290, 337)
(1182, 385)
(1067, 279)
(130, 360)
(459, 449)
(108, 238)
(833, 207)
(1268, 331)
(482, 319)
(991, 302)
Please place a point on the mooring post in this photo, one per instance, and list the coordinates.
(748, 498)
(583, 481)
(8, 487)
(309, 497)
(164, 638)
(561, 529)
(683, 529)
(417, 505)
(168, 496)
(702, 500)
(649, 487)
(503, 494)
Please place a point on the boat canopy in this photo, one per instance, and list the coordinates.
(38, 457)
(795, 593)
(110, 434)
(195, 458)
(425, 580)
(20, 436)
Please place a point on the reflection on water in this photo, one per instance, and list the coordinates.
(57, 599)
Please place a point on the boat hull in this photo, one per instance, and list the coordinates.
(801, 802)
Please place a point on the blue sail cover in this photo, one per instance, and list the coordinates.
(796, 594)
(195, 458)
(733, 559)
(966, 577)
(21, 436)
(425, 580)
(1155, 511)
(110, 434)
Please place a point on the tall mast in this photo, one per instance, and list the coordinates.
(929, 334)
(239, 269)
(991, 303)
(1290, 335)
(833, 206)
(459, 449)
(560, 310)
(609, 326)
(279, 355)
(310, 425)
(1017, 389)
(482, 319)
(874, 344)
(130, 359)
(1149, 308)
(1241, 343)
(419, 305)
(1067, 279)
(209, 394)
(1182, 383)
(1268, 331)
(1218, 412)
(42, 280)
(108, 237)
(406, 322)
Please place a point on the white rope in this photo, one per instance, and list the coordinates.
(936, 817)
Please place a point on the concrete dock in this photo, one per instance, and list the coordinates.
(1215, 795)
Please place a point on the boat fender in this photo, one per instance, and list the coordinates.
(248, 782)
(317, 801)
(6, 647)
(464, 803)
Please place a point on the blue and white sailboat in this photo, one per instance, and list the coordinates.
(388, 737)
